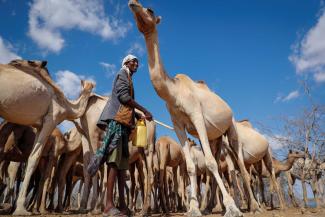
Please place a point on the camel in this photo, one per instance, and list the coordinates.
(136, 160)
(28, 96)
(170, 154)
(184, 100)
(17, 141)
(306, 171)
(67, 160)
(278, 168)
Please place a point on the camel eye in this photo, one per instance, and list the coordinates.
(150, 11)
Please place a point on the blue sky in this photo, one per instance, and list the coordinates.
(251, 53)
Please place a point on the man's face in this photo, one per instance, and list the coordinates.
(132, 65)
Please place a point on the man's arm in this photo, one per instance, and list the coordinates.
(132, 103)
(123, 95)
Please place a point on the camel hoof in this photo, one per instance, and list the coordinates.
(21, 211)
(82, 211)
(206, 211)
(95, 212)
(5, 209)
(194, 213)
(233, 211)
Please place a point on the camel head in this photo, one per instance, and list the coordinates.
(87, 86)
(295, 154)
(144, 17)
(30, 65)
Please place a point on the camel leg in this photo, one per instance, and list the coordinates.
(132, 189)
(268, 164)
(67, 163)
(149, 180)
(46, 180)
(290, 189)
(163, 187)
(32, 163)
(206, 192)
(94, 195)
(231, 208)
(87, 153)
(12, 172)
(238, 147)
(141, 170)
(191, 170)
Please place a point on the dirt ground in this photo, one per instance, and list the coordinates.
(312, 212)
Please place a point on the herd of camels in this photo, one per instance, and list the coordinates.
(39, 166)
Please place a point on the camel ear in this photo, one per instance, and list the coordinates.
(290, 151)
(30, 62)
(44, 63)
(158, 19)
(82, 82)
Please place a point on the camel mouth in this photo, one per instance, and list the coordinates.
(134, 6)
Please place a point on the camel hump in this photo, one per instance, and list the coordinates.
(39, 68)
(246, 123)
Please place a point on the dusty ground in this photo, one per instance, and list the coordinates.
(275, 213)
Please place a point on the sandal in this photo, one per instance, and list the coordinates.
(112, 212)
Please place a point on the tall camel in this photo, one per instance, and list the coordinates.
(185, 99)
(28, 96)
(170, 154)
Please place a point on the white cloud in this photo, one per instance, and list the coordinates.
(6, 52)
(110, 69)
(292, 95)
(309, 53)
(319, 77)
(70, 82)
(47, 20)
(276, 142)
(136, 49)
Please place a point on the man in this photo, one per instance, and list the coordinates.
(117, 119)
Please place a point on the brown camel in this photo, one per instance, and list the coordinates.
(29, 97)
(278, 168)
(66, 162)
(185, 99)
(169, 154)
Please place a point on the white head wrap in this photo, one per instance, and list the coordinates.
(128, 58)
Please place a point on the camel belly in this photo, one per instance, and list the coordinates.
(255, 145)
(23, 98)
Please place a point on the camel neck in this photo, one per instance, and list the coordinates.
(78, 106)
(159, 78)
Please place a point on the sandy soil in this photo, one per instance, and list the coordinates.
(274, 213)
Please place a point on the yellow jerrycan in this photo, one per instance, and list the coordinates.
(140, 137)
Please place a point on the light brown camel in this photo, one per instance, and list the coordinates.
(67, 160)
(29, 97)
(169, 154)
(278, 168)
(185, 99)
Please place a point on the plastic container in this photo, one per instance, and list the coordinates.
(140, 137)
